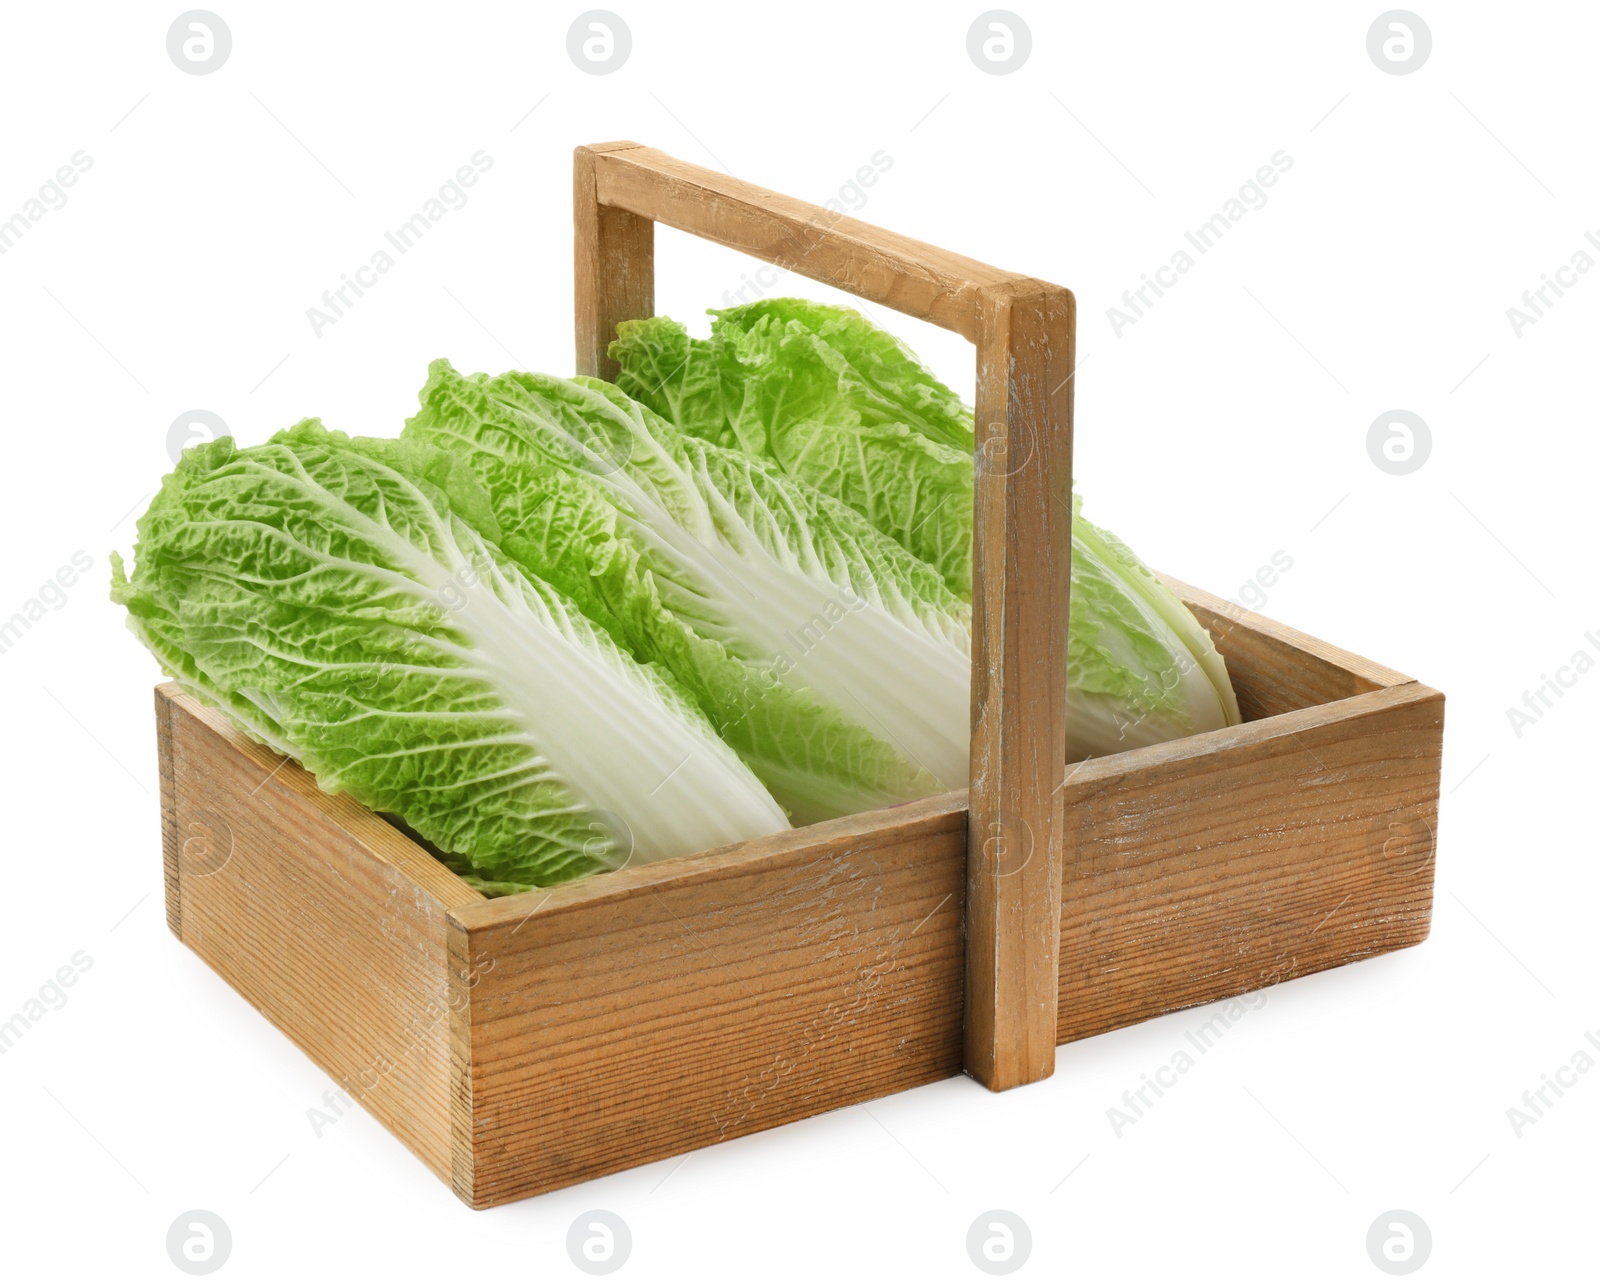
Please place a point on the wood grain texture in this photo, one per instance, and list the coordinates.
(614, 266)
(321, 915)
(1021, 553)
(170, 845)
(884, 267)
(634, 1016)
(1219, 864)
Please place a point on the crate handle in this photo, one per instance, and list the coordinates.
(1024, 331)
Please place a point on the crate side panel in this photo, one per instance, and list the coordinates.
(615, 1031)
(336, 946)
(1276, 668)
(166, 695)
(1298, 844)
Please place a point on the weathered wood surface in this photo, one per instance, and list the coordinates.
(911, 276)
(638, 1015)
(1219, 864)
(614, 266)
(1022, 554)
(317, 912)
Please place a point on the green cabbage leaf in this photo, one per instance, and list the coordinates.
(831, 660)
(831, 400)
(325, 595)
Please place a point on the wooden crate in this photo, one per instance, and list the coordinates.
(521, 1044)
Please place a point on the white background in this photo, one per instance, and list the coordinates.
(1223, 427)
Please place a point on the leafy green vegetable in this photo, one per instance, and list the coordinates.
(834, 401)
(784, 394)
(1140, 668)
(833, 662)
(323, 593)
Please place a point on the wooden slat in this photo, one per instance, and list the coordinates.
(911, 276)
(1216, 865)
(1021, 558)
(633, 1016)
(614, 262)
(1277, 667)
(323, 917)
